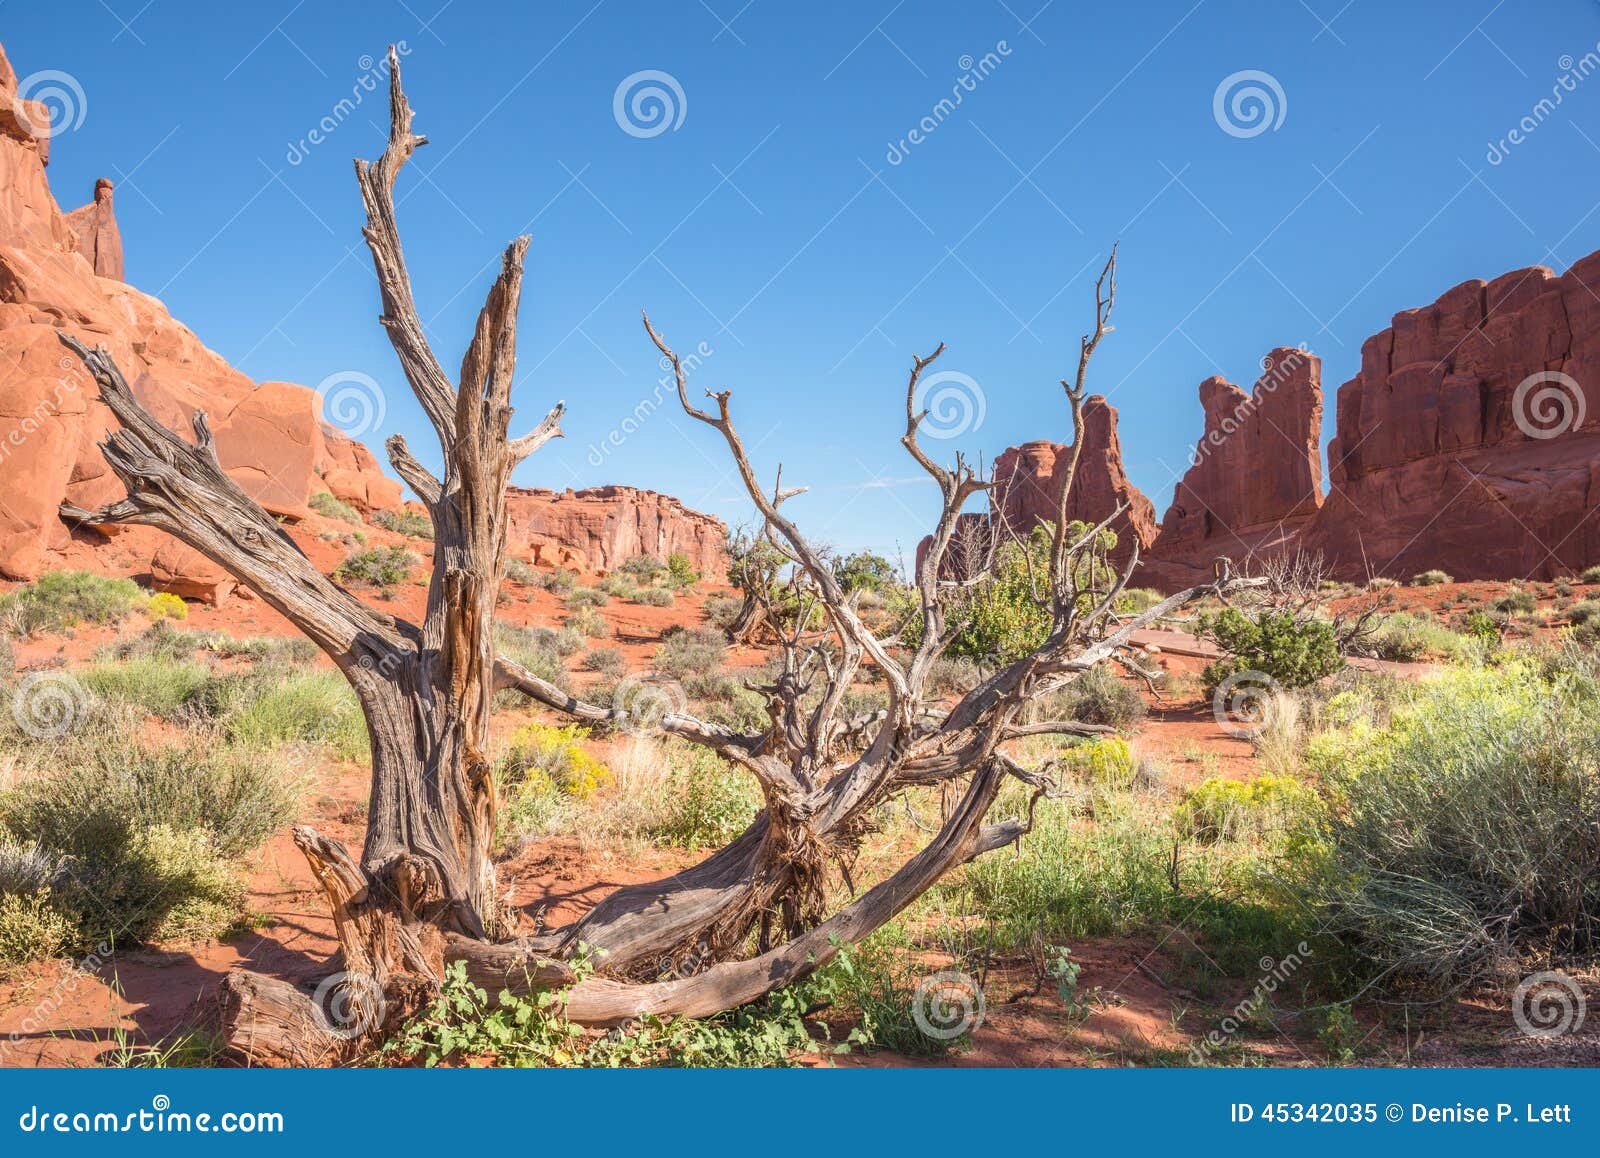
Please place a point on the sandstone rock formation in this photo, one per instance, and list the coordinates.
(99, 240)
(1255, 479)
(1470, 439)
(62, 272)
(1028, 489)
(599, 528)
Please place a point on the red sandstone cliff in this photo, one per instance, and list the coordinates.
(1439, 463)
(1255, 479)
(1027, 492)
(599, 528)
(62, 272)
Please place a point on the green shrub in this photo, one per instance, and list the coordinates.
(606, 660)
(538, 649)
(59, 600)
(273, 706)
(1585, 612)
(161, 686)
(1407, 638)
(1590, 574)
(405, 521)
(586, 597)
(1431, 579)
(165, 605)
(589, 623)
(1461, 836)
(706, 803)
(1097, 696)
(1296, 653)
(559, 581)
(953, 675)
(32, 928)
(864, 571)
(519, 572)
(697, 650)
(656, 597)
(1516, 601)
(1223, 809)
(680, 572)
(382, 567)
(325, 504)
(543, 771)
(618, 587)
(643, 568)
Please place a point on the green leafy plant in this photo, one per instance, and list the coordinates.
(1295, 652)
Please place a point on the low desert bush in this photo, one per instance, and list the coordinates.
(273, 706)
(605, 660)
(1098, 696)
(381, 567)
(1516, 601)
(407, 522)
(59, 600)
(1222, 809)
(559, 581)
(1461, 833)
(1590, 574)
(655, 597)
(161, 686)
(538, 649)
(543, 772)
(1431, 579)
(695, 650)
(704, 802)
(329, 507)
(619, 586)
(586, 597)
(1294, 652)
(643, 568)
(1408, 637)
(680, 572)
(588, 623)
(165, 605)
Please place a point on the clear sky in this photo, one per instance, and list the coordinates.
(787, 220)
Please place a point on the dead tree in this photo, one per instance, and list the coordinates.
(758, 914)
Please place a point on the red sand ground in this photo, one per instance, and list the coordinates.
(52, 1015)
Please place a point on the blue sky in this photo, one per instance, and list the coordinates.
(771, 223)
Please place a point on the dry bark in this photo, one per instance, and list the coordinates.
(423, 892)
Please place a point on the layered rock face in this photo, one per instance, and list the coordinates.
(1470, 440)
(1027, 492)
(601, 527)
(1255, 479)
(1028, 488)
(62, 272)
